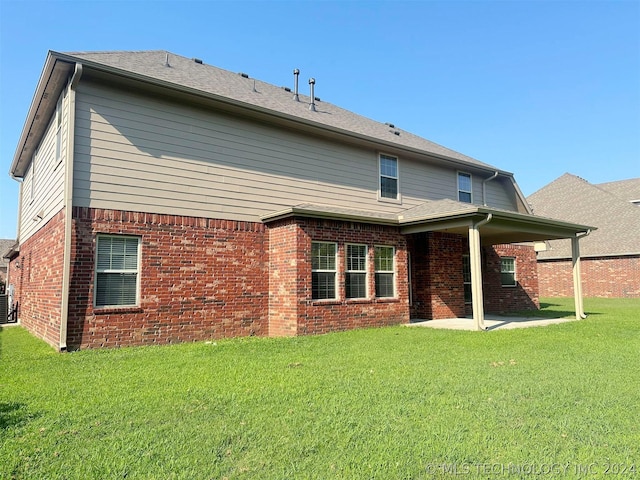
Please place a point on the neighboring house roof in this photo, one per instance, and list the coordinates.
(605, 206)
(628, 190)
(5, 246)
(170, 70)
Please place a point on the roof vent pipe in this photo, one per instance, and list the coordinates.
(312, 105)
(166, 60)
(296, 72)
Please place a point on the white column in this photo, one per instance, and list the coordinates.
(476, 277)
(577, 285)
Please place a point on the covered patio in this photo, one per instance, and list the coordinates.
(484, 226)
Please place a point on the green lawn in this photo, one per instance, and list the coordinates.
(384, 403)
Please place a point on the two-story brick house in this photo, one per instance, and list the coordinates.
(163, 199)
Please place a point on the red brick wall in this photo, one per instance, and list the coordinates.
(608, 277)
(285, 280)
(322, 316)
(200, 279)
(438, 289)
(525, 295)
(36, 274)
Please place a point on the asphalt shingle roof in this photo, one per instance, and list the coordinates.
(628, 190)
(5, 245)
(186, 72)
(605, 206)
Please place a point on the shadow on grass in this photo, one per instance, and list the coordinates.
(14, 414)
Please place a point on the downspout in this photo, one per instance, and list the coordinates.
(577, 284)
(484, 188)
(68, 205)
(476, 272)
(18, 242)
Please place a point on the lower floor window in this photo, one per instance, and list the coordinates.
(356, 274)
(384, 270)
(117, 271)
(323, 270)
(508, 271)
(466, 278)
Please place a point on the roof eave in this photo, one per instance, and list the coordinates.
(316, 213)
(52, 80)
(380, 143)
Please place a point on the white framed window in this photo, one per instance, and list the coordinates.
(465, 187)
(388, 177)
(356, 271)
(117, 279)
(508, 271)
(323, 270)
(32, 185)
(466, 278)
(58, 121)
(384, 271)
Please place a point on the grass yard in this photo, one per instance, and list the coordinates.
(550, 402)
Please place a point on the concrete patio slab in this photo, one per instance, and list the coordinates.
(491, 322)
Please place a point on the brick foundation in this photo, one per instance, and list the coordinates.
(607, 277)
(200, 279)
(36, 274)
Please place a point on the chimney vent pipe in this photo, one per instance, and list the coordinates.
(312, 105)
(296, 73)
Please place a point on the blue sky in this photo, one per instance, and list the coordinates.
(538, 88)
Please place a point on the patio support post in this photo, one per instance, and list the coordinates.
(577, 284)
(476, 273)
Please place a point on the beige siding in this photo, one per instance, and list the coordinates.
(46, 173)
(144, 154)
(501, 194)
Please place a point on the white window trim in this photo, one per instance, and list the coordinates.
(96, 271)
(393, 271)
(398, 198)
(470, 192)
(320, 270)
(59, 120)
(365, 271)
(515, 273)
(32, 194)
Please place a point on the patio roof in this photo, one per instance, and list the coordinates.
(448, 216)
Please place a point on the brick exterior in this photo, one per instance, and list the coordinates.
(204, 278)
(524, 296)
(608, 277)
(292, 310)
(200, 279)
(36, 274)
(438, 290)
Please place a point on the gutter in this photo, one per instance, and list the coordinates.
(68, 205)
(484, 188)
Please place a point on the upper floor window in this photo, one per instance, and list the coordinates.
(356, 271)
(117, 268)
(384, 270)
(323, 270)
(508, 271)
(59, 128)
(464, 187)
(388, 176)
(30, 179)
